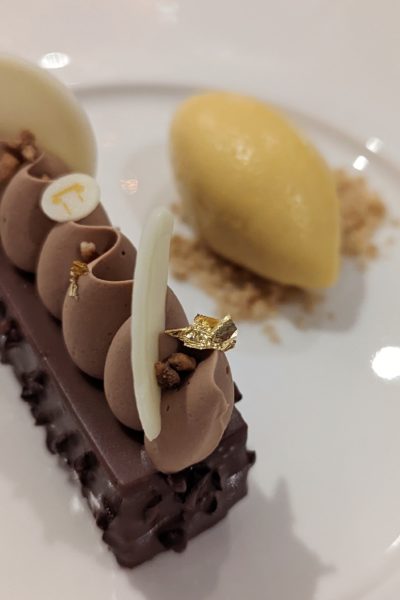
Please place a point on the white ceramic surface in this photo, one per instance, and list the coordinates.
(322, 519)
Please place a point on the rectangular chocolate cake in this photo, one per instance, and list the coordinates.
(141, 511)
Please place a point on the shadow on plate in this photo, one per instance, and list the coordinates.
(339, 307)
(254, 553)
(45, 483)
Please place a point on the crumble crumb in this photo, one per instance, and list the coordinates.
(362, 213)
(390, 241)
(167, 378)
(177, 209)
(15, 153)
(272, 333)
(247, 296)
(182, 362)
(168, 372)
(237, 291)
(88, 251)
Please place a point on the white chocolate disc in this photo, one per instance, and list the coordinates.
(70, 198)
(148, 316)
(33, 99)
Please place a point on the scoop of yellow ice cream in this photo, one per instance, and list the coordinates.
(256, 190)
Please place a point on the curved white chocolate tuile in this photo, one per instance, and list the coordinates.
(148, 316)
(70, 198)
(33, 99)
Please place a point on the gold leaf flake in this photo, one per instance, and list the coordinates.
(77, 269)
(207, 333)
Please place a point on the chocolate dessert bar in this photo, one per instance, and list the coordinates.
(136, 400)
(140, 510)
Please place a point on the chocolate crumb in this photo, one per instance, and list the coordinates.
(5, 326)
(88, 251)
(182, 362)
(177, 482)
(33, 385)
(167, 378)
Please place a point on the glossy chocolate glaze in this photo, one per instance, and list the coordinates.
(141, 511)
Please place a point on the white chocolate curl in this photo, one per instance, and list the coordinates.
(70, 198)
(148, 315)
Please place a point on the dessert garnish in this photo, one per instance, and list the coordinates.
(88, 251)
(167, 378)
(182, 362)
(207, 333)
(169, 372)
(26, 146)
(148, 315)
(71, 198)
(16, 152)
(78, 268)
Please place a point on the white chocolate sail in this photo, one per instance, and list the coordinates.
(148, 316)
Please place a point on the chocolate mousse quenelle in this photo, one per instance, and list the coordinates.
(138, 402)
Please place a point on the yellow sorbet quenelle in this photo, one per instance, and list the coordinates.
(256, 190)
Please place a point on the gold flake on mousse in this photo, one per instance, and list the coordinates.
(77, 269)
(207, 333)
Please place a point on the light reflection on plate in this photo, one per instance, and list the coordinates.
(386, 362)
(54, 60)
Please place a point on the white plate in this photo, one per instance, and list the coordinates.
(322, 518)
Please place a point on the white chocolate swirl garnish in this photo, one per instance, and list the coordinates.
(70, 198)
(148, 316)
